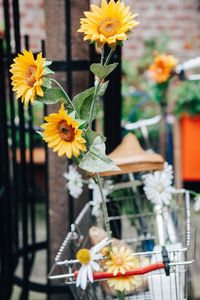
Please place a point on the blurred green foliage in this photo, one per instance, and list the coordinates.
(2, 33)
(135, 79)
(187, 98)
(37, 120)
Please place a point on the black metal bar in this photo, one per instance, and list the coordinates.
(31, 166)
(77, 65)
(23, 169)
(69, 86)
(68, 45)
(42, 288)
(15, 194)
(112, 105)
(31, 248)
(6, 258)
(46, 198)
(7, 26)
(72, 65)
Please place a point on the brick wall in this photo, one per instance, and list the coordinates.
(179, 18)
(32, 21)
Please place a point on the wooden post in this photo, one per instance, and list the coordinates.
(56, 50)
(177, 155)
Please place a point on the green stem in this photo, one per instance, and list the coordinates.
(68, 99)
(105, 211)
(102, 56)
(109, 57)
(93, 103)
(97, 86)
(121, 295)
(193, 193)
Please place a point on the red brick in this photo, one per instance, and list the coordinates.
(183, 17)
(42, 26)
(172, 6)
(29, 25)
(179, 36)
(33, 46)
(173, 26)
(188, 6)
(41, 4)
(29, 4)
(23, 14)
(160, 27)
(133, 47)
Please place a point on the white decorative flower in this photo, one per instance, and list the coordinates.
(87, 259)
(107, 187)
(168, 170)
(157, 186)
(197, 203)
(74, 182)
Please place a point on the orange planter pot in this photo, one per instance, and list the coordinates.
(190, 147)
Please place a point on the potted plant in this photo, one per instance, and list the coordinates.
(187, 108)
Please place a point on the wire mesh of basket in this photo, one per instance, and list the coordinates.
(163, 269)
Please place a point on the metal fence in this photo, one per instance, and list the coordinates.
(18, 179)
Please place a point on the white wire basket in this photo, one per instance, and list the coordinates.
(163, 268)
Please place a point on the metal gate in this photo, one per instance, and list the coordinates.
(19, 190)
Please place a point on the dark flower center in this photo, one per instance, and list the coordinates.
(66, 131)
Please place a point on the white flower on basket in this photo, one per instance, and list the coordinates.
(168, 170)
(96, 203)
(74, 182)
(157, 186)
(87, 259)
(197, 203)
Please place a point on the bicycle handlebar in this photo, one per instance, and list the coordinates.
(140, 271)
(188, 65)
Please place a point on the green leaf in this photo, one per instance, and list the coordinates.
(47, 63)
(158, 91)
(95, 160)
(102, 71)
(72, 114)
(91, 135)
(120, 43)
(52, 96)
(46, 82)
(48, 71)
(82, 101)
(82, 123)
(102, 88)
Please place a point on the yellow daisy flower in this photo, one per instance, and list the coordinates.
(27, 76)
(161, 69)
(121, 260)
(108, 23)
(62, 134)
(125, 283)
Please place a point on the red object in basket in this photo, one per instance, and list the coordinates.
(190, 147)
(140, 271)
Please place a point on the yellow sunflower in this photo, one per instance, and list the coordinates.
(108, 23)
(121, 260)
(161, 69)
(62, 134)
(27, 76)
